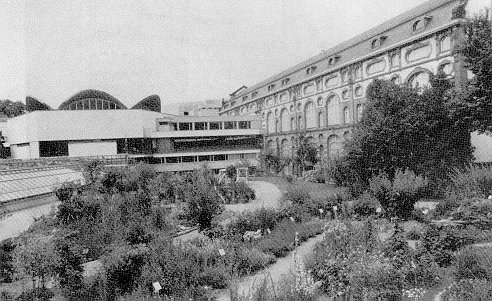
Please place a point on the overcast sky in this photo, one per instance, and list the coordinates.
(186, 50)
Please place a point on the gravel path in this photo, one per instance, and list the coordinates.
(267, 195)
(274, 272)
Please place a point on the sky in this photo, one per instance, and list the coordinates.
(181, 50)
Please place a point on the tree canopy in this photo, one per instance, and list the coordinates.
(473, 105)
(404, 129)
(11, 109)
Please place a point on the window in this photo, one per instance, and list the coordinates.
(300, 124)
(445, 43)
(359, 112)
(285, 81)
(284, 120)
(245, 98)
(220, 157)
(321, 119)
(271, 87)
(215, 125)
(203, 158)
(184, 126)
(346, 115)
(310, 115)
(375, 44)
(244, 124)
(344, 76)
(447, 68)
(396, 80)
(310, 70)
(188, 159)
(172, 160)
(200, 126)
(419, 81)
(358, 91)
(358, 72)
(333, 60)
(230, 125)
(320, 101)
(345, 94)
(420, 24)
(395, 60)
(299, 106)
(254, 94)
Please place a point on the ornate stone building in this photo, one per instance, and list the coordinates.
(324, 96)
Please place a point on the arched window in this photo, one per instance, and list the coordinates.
(271, 145)
(300, 124)
(284, 117)
(395, 60)
(310, 113)
(445, 43)
(321, 119)
(396, 80)
(332, 109)
(284, 147)
(420, 81)
(292, 124)
(346, 115)
(334, 146)
(418, 25)
(447, 68)
(270, 123)
(359, 112)
(346, 136)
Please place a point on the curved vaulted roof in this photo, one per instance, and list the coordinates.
(149, 103)
(91, 100)
(32, 104)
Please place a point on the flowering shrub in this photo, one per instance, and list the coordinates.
(398, 196)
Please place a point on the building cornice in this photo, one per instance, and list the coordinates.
(381, 51)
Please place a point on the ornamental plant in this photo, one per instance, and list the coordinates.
(398, 196)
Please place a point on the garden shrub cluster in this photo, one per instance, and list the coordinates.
(399, 195)
(352, 261)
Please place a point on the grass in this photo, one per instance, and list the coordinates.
(316, 190)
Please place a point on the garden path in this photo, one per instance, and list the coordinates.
(274, 273)
(267, 196)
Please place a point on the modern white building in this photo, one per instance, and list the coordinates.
(139, 135)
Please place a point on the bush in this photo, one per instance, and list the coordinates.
(473, 181)
(442, 242)
(398, 197)
(365, 205)
(215, 277)
(263, 218)
(6, 261)
(474, 263)
(243, 192)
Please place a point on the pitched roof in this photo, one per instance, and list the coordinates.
(402, 18)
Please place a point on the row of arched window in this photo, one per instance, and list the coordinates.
(310, 119)
(334, 145)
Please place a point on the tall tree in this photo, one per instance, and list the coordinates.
(473, 105)
(402, 128)
(11, 109)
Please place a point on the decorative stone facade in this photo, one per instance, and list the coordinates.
(324, 96)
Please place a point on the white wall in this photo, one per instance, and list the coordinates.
(89, 148)
(483, 147)
(20, 152)
(81, 125)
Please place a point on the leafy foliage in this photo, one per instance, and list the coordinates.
(11, 109)
(399, 196)
(473, 106)
(401, 129)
